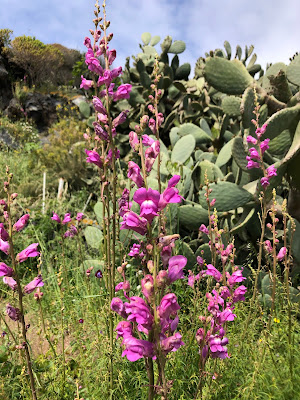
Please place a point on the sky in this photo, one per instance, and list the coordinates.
(272, 26)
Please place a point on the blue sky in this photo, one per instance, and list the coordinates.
(272, 26)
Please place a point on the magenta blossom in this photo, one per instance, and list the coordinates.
(98, 105)
(123, 92)
(93, 158)
(271, 171)
(147, 287)
(122, 286)
(137, 348)
(79, 216)
(251, 139)
(211, 270)
(236, 277)
(134, 140)
(168, 306)
(176, 266)
(124, 329)
(204, 229)
(254, 153)
(3, 234)
(56, 218)
(5, 270)
(67, 219)
(239, 294)
(170, 195)
(252, 164)
(281, 254)
(148, 201)
(264, 145)
(85, 83)
(117, 306)
(31, 286)
(10, 282)
(134, 173)
(217, 346)
(139, 312)
(147, 140)
(151, 154)
(30, 251)
(132, 221)
(21, 223)
(4, 246)
(171, 343)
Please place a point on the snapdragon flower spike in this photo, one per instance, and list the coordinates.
(86, 84)
(137, 348)
(94, 158)
(31, 286)
(21, 223)
(124, 329)
(5, 270)
(10, 282)
(212, 271)
(117, 306)
(139, 312)
(30, 251)
(171, 343)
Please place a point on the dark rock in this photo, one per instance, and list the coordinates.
(41, 109)
(6, 140)
(14, 110)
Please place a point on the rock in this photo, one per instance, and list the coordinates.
(6, 140)
(41, 109)
(14, 110)
(77, 100)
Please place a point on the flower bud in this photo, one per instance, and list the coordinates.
(150, 266)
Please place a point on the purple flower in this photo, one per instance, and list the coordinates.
(3, 234)
(271, 171)
(239, 294)
(251, 139)
(134, 173)
(152, 125)
(226, 315)
(134, 140)
(122, 286)
(30, 251)
(85, 83)
(132, 221)
(10, 282)
(217, 347)
(56, 218)
(31, 286)
(252, 164)
(192, 278)
(175, 270)
(101, 132)
(4, 246)
(147, 140)
(5, 270)
(254, 153)
(79, 216)
(124, 329)
(281, 254)
(117, 306)
(147, 287)
(171, 343)
(168, 306)
(123, 92)
(105, 79)
(120, 119)
(173, 181)
(137, 348)
(151, 154)
(98, 105)
(87, 42)
(139, 312)
(111, 56)
(212, 271)
(203, 229)
(94, 158)
(170, 195)
(260, 131)
(264, 182)
(67, 219)
(135, 250)
(98, 274)
(148, 201)
(264, 145)
(13, 313)
(21, 223)
(236, 277)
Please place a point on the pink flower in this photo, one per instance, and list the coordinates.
(85, 83)
(264, 145)
(67, 219)
(137, 348)
(148, 201)
(173, 181)
(4, 246)
(10, 282)
(117, 306)
(239, 294)
(168, 306)
(203, 229)
(21, 223)
(260, 131)
(5, 270)
(252, 164)
(271, 171)
(212, 271)
(176, 266)
(120, 119)
(123, 92)
(235, 277)
(139, 312)
(30, 251)
(3, 234)
(134, 140)
(268, 246)
(170, 195)
(254, 153)
(147, 140)
(98, 105)
(94, 158)
(79, 216)
(132, 221)
(122, 286)
(217, 347)
(13, 313)
(31, 286)
(56, 218)
(87, 42)
(147, 287)
(152, 125)
(171, 343)
(265, 182)
(151, 154)
(281, 254)
(124, 329)
(251, 139)
(111, 56)
(134, 173)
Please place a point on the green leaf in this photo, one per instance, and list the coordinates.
(154, 40)
(146, 36)
(199, 134)
(93, 236)
(177, 47)
(84, 109)
(280, 121)
(229, 196)
(231, 106)
(192, 216)
(183, 149)
(225, 154)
